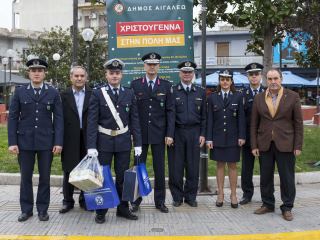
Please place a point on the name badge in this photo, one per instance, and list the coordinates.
(234, 104)
(161, 94)
(199, 99)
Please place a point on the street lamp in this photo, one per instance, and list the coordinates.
(56, 57)
(10, 54)
(5, 63)
(87, 35)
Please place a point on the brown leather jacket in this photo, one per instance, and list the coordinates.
(285, 128)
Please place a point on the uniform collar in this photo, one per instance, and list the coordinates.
(41, 86)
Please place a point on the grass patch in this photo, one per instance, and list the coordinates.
(304, 163)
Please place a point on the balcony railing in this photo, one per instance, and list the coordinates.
(236, 61)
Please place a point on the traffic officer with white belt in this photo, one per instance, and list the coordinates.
(112, 120)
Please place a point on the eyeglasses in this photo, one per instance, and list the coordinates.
(254, 73)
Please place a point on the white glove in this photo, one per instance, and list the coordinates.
(92, 152)
(137, 151)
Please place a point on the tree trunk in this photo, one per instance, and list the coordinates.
(267, 56)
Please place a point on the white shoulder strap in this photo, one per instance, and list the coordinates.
(112, 108)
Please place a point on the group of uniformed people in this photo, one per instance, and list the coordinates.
(106, 122)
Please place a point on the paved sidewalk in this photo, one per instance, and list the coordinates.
(206, 220)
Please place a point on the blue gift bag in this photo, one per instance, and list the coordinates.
(143, 179)
(104, 197)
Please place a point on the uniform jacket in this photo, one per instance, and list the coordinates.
(70, 155)
(248, 103)
(35, 124)
(285, 129)
(190, 108)
(226, 123)
(100, 114)
(156, 110)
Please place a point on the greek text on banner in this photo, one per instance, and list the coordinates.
(150, 41)
(150, 27)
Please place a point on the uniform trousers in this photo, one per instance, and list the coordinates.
(247, 172)
(158, 156)
(184, 159)
(121, 164)
(26, 160)
(286, 164)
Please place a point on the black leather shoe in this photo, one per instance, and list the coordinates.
(192, 203)
(244, 201)
(162, 208)
(65, 209)
(100, 218)
(24, 217)
(43, 216)
(234, 205)
(219, 204)
(127, 214)
(177, 203)
(134, 207)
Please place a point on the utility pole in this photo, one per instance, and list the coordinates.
(204, 154)
(75, 33)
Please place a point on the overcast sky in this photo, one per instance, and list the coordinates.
(5, 14)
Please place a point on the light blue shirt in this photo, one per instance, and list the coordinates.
(153, 81)
(185, 86)
(35, 92)
(79, 98)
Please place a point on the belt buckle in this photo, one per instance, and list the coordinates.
(114, 133)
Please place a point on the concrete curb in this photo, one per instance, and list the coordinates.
(56, 180)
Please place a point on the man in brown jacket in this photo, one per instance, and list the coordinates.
(277, 136)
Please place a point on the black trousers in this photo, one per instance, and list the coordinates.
(121, 164)
(158, 153)
(67, 188)
(286, 164)
(183, 160)
(26, 161)
(247, 172)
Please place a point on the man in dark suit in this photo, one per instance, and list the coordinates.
(189, 136)
(156, 113)
(35, 127)
(277, 137)
(75, 102)
(112, 120)
(254, 75)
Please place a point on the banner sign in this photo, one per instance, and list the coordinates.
(289, 46)
(139, 27)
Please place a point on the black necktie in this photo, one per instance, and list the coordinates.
(188, 89)
(225, 98)
(255, 92)
(150, 86)
(115, 91)
(37, 94)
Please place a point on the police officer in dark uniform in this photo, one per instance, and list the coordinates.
(226, 133)
(254, 75)
(35, 127)
(110, 130)
(156, 113)
(189, 136)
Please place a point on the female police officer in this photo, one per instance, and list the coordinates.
(226, 133)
